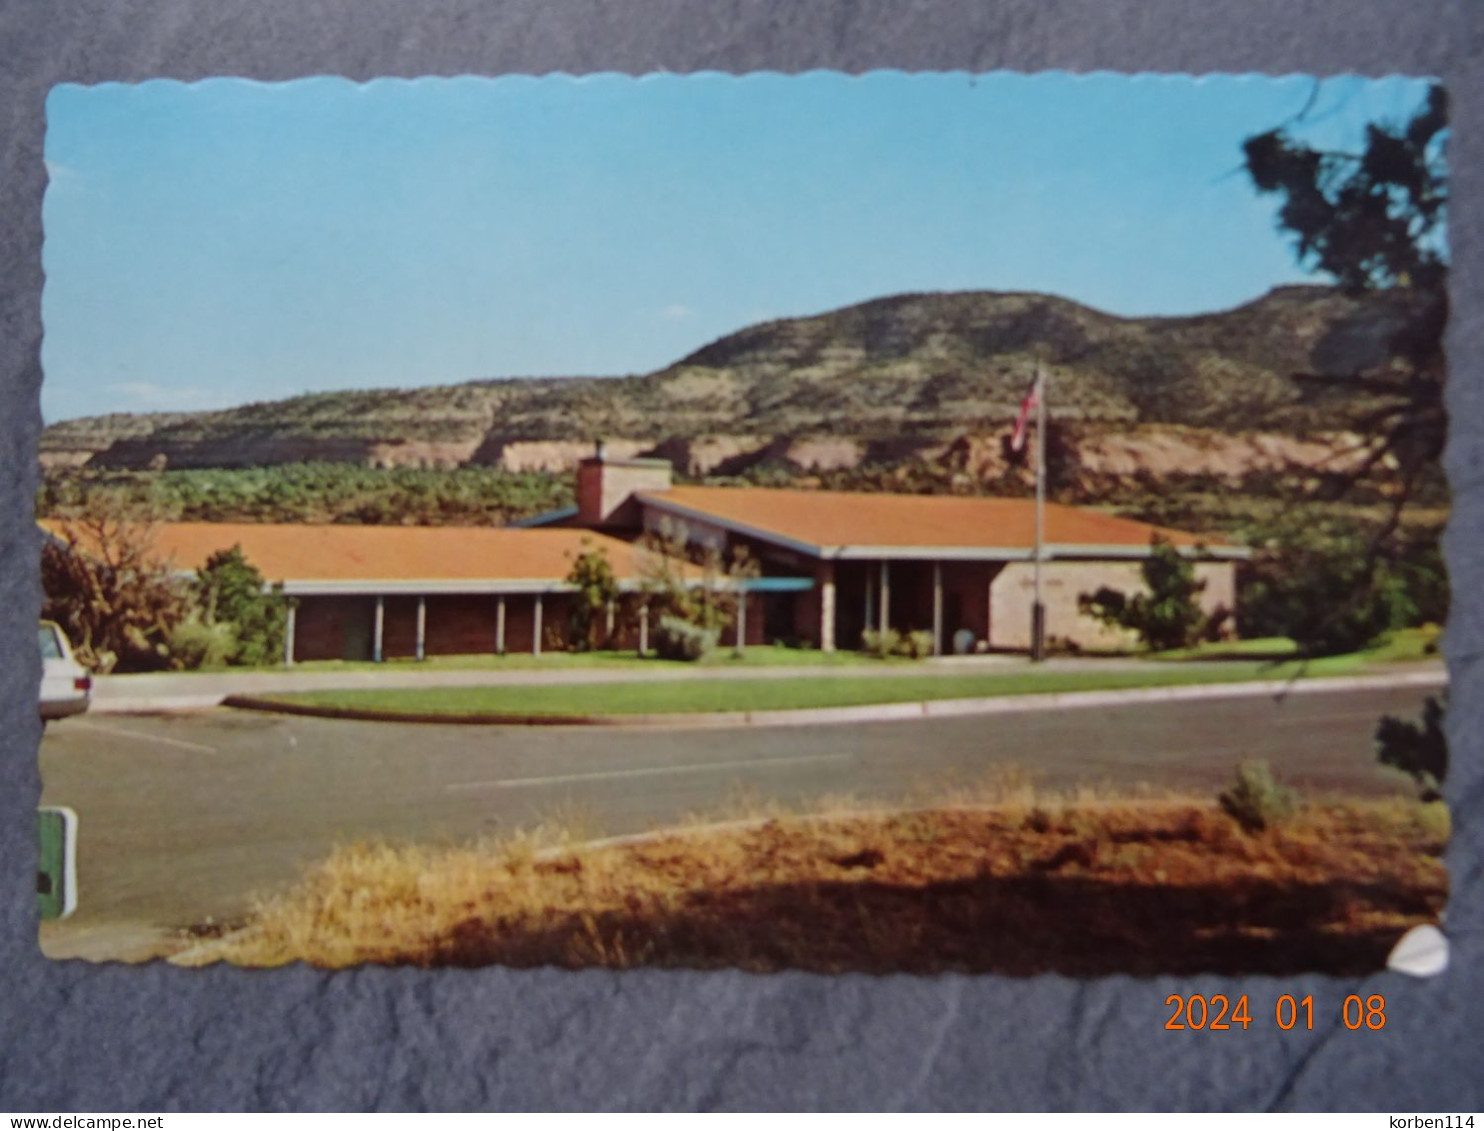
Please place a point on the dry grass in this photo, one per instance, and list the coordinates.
(996, 878)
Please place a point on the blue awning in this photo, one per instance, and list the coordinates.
(778, 584)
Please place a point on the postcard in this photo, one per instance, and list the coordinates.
(889, 523)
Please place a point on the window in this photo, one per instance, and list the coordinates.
(46, 638)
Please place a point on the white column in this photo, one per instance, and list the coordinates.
(643, 629)
(741, 622)
(422, 626)
(288, 634)
(608, 622)
(885, 595)
(824, 577)
(872, 580)
(937, 608)
(376, 633)
(989, 607)
(500, 625)
(536, 628)
(1038, 610)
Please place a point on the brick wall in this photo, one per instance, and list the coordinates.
(462, 625)
(333, 628)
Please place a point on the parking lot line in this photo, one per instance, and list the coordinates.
(646, 771)
(140, 736)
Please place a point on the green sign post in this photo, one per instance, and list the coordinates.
(56, 869)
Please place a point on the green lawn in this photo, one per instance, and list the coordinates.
(758, 656)
(676, 696)
(1402, 646)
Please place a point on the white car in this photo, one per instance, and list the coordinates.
(66, 686)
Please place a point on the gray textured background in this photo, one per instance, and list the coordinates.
(80, 1037)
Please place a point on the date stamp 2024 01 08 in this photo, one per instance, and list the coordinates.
(1221, 1012)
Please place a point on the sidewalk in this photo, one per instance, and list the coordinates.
(179, 691)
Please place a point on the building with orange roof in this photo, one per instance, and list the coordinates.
(959, 568)
(832, 565)
(385, 592)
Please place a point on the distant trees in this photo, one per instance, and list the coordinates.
(1169, 614)
(315, 492)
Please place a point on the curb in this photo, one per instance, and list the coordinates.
(154, 704)
(360, 714)
(877, 712)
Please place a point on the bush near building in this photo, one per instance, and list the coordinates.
(231, 592)
(1169, 615)
(117, 604)
(595, 594)
(692, 611)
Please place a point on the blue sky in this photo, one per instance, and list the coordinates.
(231, 241)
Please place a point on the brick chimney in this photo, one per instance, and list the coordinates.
(605, 487)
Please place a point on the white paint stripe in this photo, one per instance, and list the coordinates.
(142, 737)
(647, 771)
(143, 705)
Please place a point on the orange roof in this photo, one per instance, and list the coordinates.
(446, 555)
(829, 522)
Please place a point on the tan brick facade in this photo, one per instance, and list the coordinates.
(1013, 593)
(605, 489)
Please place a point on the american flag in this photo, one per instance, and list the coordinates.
(1027, 406)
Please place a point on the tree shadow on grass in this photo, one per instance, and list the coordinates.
(1075, 925)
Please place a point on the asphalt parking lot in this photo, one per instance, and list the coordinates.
(184, 817)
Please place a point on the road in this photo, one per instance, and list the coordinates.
(187, 816)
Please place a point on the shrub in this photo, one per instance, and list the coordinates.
(884, 643)
(1255, 799)
(1418, 750)
(596, 588)
(230, 591)
(696, 583)
(114, 598)
(918, 645)
(196, 644)
(678, 639)
(1167, 616)
(881, 643)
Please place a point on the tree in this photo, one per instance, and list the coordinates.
(117, 602)
(231, 591)
(1374, 220)
(1169, 615)
(1324, 588)
(695, 583)
(596, 588)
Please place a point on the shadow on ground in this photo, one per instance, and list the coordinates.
(1077, 926)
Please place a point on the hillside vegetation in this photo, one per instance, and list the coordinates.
(886, 380)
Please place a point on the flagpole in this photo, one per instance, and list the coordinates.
(1038, 610)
